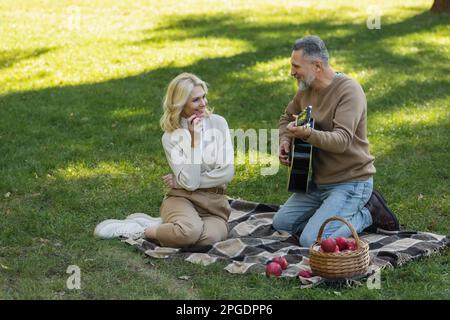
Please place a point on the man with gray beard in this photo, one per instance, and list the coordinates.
(342, 180)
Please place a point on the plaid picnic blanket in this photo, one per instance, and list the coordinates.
(252, 242)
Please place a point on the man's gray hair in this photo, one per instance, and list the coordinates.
(313, 48)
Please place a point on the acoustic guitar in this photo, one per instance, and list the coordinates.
(300, 157)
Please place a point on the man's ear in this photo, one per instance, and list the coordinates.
(318, 66)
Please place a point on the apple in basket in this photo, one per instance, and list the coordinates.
(328, 245)
(281, 261)
(273, 269)
(342, 243)
(351, 245)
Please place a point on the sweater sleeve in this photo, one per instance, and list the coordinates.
(184, 160)
(294, 107)
(348, 113)
(223, 171)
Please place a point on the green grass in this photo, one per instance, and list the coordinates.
(80, 142)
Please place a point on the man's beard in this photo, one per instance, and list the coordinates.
(305, 84)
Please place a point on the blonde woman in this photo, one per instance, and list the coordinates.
(198, 149)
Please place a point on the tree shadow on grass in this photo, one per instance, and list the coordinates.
(359, 48)
(117, 121)
(10, 57)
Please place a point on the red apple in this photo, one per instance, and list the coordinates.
(336, 249)
(328, 245)
(273, 269)
(342, 243)
(351, 245)
(281, 261)
(305, 274)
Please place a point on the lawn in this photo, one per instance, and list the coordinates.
(81, 85)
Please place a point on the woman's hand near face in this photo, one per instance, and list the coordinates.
(170, 181)
(195, 125)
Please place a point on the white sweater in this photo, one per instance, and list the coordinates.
(210, 164)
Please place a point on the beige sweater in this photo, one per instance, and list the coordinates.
(339, 136)
(211, 164)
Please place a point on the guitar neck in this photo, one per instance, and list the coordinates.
(304, 118)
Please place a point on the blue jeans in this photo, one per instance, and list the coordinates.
(304, 213)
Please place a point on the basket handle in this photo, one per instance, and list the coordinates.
(354, 234)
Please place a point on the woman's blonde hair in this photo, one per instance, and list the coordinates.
(177, 95)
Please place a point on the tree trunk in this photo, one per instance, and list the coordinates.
(440, 6)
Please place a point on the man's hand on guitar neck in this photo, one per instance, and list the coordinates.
(283, 152)
(302, 132)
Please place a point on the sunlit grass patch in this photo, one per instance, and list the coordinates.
(80, 171)
(424, 115)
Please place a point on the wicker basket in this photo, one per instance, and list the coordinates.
(339, 264)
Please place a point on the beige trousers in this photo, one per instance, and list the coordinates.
(193, 218)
